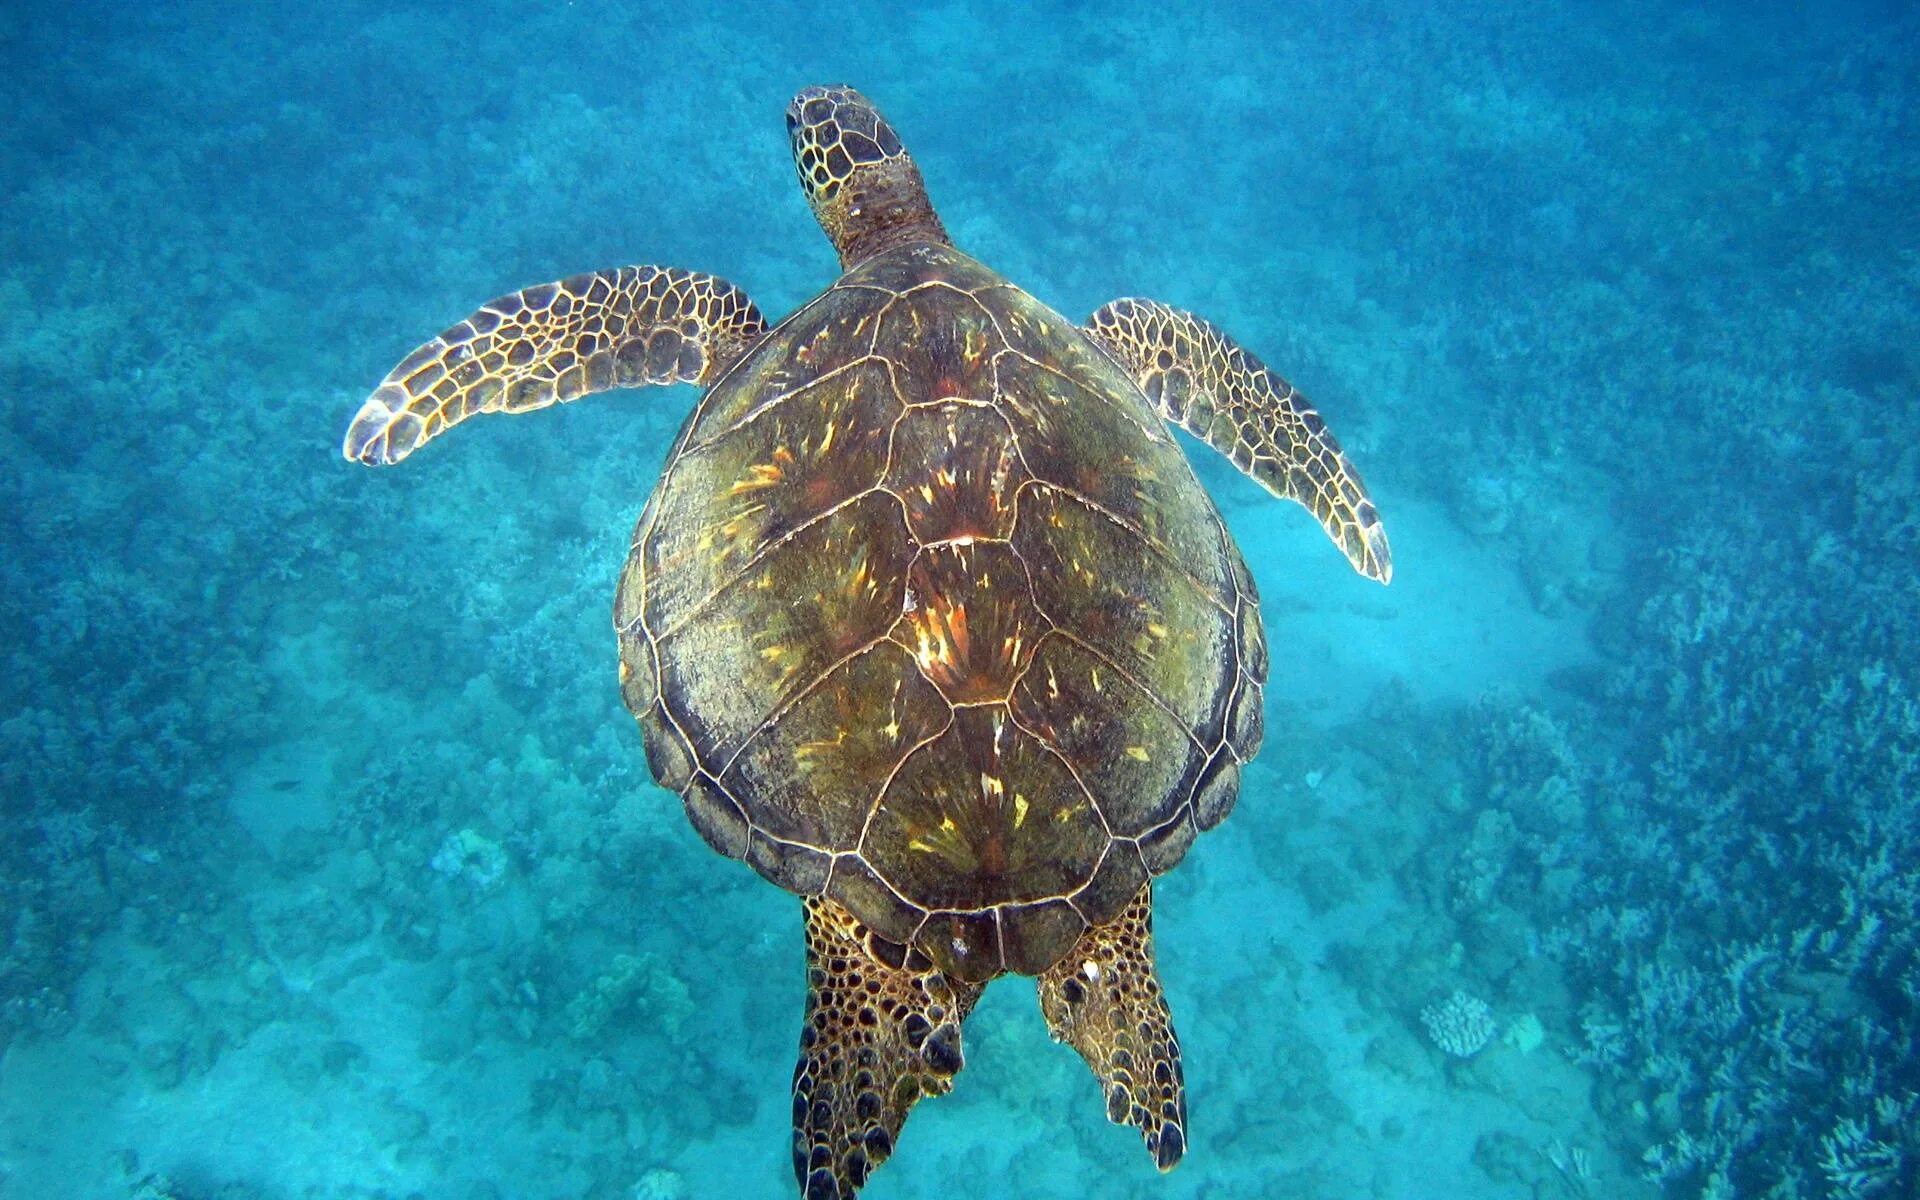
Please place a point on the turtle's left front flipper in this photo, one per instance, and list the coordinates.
(554, 343)
(1205, 382)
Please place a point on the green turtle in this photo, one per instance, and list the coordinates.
(928, 619)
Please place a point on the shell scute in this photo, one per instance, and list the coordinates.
(983, 815)
(818, 767)
(724, 503)
(1155, 624)
(1135, 759)
(1115, 883)
(836, 329)
(717, 815)
(831, 590)
(964, 943)
(941, 340)
(1031, 934)
(855, 885)
(798, 867)
(1143, 482)
(956, 468)
(970, 621)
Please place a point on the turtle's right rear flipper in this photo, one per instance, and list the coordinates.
(1104, 999)
(557, 342)
(883, 1030)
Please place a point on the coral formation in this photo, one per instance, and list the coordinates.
(1462, 1025)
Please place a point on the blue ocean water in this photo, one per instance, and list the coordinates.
(1581, 861)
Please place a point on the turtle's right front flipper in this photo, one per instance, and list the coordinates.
(879, 1035)
(1220, 392)
(554, 343)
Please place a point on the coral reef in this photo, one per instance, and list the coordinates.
(1736, 902)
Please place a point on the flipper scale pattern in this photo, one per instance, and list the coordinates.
(553, 343)
(1217, 390)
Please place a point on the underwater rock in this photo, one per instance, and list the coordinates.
(468, 855)
(1508, 1158)
(1484, 506)
(660, 1184)
(1397, 1053)
(1524, 1033)
(631, 984)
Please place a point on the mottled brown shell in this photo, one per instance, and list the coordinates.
(928, 614)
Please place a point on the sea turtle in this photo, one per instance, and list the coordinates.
(928, 619)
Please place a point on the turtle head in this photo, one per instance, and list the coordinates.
(861, 181)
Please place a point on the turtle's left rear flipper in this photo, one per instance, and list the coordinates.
(1214, 388)
(883, 1030)
(554, 343)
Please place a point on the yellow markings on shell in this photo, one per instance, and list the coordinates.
(892, 727)
(1138, 753)
(1146, 644)
(931, 653)
(943, 634)
(942, 840)
(761, 475)
(806, 752)
(1002, 470)
(730, 528)
(862, 574)
(1019, 810)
